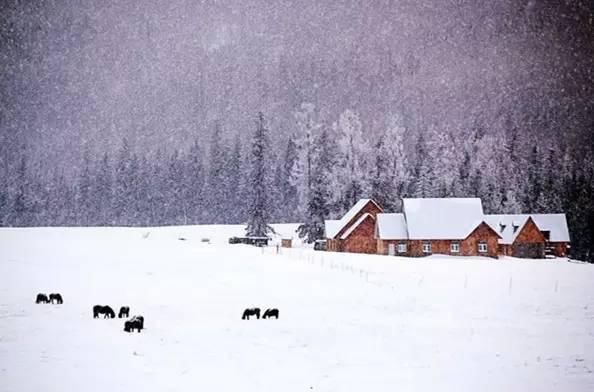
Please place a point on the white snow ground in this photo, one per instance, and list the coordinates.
(347, 322)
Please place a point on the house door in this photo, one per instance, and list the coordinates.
(392, 249)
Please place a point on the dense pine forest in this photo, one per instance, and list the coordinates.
(319, 173)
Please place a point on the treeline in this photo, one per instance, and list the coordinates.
(317, 173)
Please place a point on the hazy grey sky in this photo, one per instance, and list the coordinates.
(87, 73)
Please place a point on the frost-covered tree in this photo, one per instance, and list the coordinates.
(445, 162)
(124, 185)
(258, 212)
(176, 203)
(21, 204)
(353, 160)
(84, 201)
(390, 171)
(423, 184)
(319, 197)
(234, 172)
(551, 176)
(216, 178)
(102, 192)
(308, 127)
(533, 177)
(511, 204)
(194, 183)
(289, 181)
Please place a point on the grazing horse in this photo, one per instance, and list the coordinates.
(57, 297)
(41, 299)
(106, 311)
(135, 323)
(251, 312)
(269, 313)
(124, 312)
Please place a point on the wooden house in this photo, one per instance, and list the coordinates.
(452, 226)
(531, 236)
(354, 232)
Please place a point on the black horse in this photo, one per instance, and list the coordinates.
(41, 299)
(135, 323)
(106, 311)
(269, 313)
(56, 297)
(124, 312)
(251, 312)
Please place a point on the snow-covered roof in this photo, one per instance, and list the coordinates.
(504, 226)
(391, 227)
(446, 218)
(331, 226)
(352, 228)
(555, 224)
(348, 217)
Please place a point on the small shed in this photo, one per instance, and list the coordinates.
(287, 242)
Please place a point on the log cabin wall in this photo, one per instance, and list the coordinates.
(530, 242)
(362, 239)
(559, 248)
(483, 233)
(370, 208)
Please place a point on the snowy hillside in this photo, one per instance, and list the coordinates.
(347, 322)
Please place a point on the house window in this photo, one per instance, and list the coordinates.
(426, 247)
(402, 247)
(455, 247)
(482, 247)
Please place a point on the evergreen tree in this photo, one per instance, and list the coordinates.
(123, 185)
(176, 205)
(144, 193)
(288, 182)
(353, 164)
(159, 189)
(307, 129)
(83, 196)
(259, 207)
(424, 181)
(195, 183)
(216, 179)
(21, 202)
(103, 192)
(234, 174)
(390, 177)
(511, 204)
(318, 205)
(534, 179)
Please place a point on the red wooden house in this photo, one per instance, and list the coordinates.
(452, 226)
(531, 236)
(355, 231)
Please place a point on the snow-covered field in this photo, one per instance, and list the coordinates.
(347, 322)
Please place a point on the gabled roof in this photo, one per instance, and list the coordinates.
(556, 224)
(504, 226)
(352, 227)
(340, 225)
(442, 219)
(391, 227)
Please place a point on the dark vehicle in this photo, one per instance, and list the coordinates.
(256, 241)
(320, 245)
